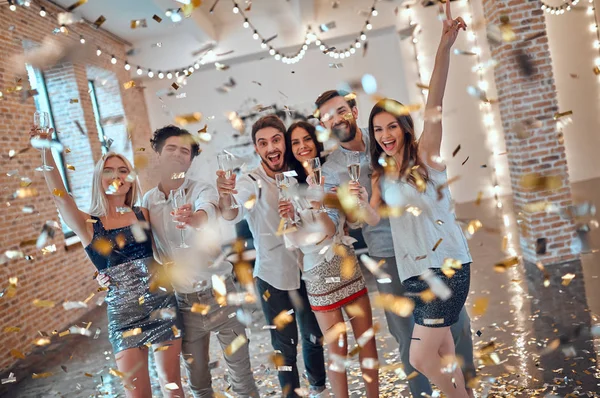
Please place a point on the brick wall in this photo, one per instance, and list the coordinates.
(525, 96)
(63, 275)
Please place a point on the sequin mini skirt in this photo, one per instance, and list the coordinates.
(435, 312)
(137, 316)
(333, 284)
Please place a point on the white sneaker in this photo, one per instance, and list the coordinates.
(318, 394)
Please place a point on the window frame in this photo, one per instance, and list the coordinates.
(42, 89)
(96, 109)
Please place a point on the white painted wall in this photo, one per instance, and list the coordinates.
(571, 45)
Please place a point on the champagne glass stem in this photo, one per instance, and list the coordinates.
(44, 158)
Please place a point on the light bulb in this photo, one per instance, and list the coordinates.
(317, 42)
(357, 45)
(363, 37)
(197, 66)
(471, 35)
(476, 50)
(374, 12)
(305, 47)
(255, 35)
(415, 40)
(322, 47)
(246, 24)
(168, 13)
(483, 85)
(352, 50)
(593, 27)
(596, 44)
(347, 53)
(169, 75)
(150, 73)
(191, 69)
(272, 51)
(139, 71)
(342, 55)
(369, 26)
(590, 10)
(263, 45)
(13, 7)
(277, 57)
(42, 12)
(127, 66)
(113, 60)
(81, 39)
(98, 52)
(597, 61)
(161, 75)
(235, 9)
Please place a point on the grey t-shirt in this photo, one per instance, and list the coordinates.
(335, 170)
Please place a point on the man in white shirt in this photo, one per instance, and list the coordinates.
(191, 269)
(277, 270)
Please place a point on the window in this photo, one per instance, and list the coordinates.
(42, 103)
(101, 136)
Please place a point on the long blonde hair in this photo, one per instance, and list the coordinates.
(99, 204)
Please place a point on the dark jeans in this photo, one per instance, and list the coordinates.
(286, 340)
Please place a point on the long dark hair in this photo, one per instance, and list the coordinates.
(410, 144)
(293, 163)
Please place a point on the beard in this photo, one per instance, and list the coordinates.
(267, 163)
(344, 135)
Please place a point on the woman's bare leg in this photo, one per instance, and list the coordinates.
(360, 324)
(168, 366)
(425, 348)
(327, 322)
(133, 363)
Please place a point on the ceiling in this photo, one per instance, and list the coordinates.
(288, 19)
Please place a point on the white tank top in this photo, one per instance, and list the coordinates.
(416, 236)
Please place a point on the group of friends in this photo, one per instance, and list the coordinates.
(307, 276)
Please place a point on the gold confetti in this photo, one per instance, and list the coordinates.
(282, 320)
(41, 375)
(74, 101)
(235, 345)
(88, 374)
(101, 19)
(128, 85)
(76, 4)
(402, 306)
(437, 244)
(427, 295)
(67, 150)
(132, 332)
(17, 354)
(116, 373)
(250, 202)
(70, 167)
(538, 182)
(91, 221)
(186, 119)
(266, 295)
(157, 18)
(558, 115)
(503, 265)
(567, 278)
(58, 192)
(480, 306)
(62, 334)
(176, 331)
(596, 70)
(138, 23)
(474, 226)
(450, 266)
(178, 176)
(41, 341)
(162, 348)
(200, 308)
(12, 329)
(141, 300)
(13, 280)
(43, 303)
(140, 160)
(354, 310)
(175, 86)
(103, 246)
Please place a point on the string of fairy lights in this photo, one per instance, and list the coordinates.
(311, 37)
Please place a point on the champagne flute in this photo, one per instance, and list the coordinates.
(178, 200)
(41, 123)
(353, 163)
(282, 183)
(225, 162)
(314, 165)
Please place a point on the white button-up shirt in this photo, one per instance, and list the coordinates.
(274, 264)
(193, 267)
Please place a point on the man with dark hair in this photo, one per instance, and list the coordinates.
(338, 112)
(191, 269)
(276, 271)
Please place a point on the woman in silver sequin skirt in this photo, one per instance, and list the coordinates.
(114, 234)
(330, 270)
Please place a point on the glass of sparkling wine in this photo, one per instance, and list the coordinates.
(314, 166)
(41, 123)
(178, 200)
(282, 183)
(225, 161)
(353, 163)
